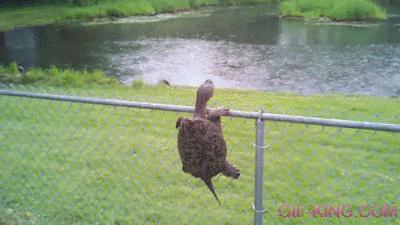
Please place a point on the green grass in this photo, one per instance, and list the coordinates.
(68, 163)
(55, 77)
(47, 13)
(340, 10)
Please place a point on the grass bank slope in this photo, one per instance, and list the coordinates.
(340, 10)
(39, 14)
(68, 163)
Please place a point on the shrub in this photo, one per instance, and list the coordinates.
(356, 10)
(34, 75)
(334, 9)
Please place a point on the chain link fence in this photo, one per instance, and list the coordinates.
(65, 162)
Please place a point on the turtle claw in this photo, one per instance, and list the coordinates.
(235, 173)
(222, 111)
(231, 171)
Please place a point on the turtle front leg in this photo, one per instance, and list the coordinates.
(215, 115)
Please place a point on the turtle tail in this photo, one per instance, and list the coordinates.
(210, 186)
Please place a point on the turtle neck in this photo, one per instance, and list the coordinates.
(200, 107)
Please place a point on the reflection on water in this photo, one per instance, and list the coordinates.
(21, 46)
(240, 47)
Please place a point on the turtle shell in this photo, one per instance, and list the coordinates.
(202, 147)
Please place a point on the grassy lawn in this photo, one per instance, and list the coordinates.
(48, 13)
(68, 163)
(357, 10)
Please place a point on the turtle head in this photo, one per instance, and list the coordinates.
(205, 91)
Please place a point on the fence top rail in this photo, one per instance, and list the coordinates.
(232, 113)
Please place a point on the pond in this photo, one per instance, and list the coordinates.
(238, 47)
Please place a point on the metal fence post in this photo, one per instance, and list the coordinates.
(259, 173)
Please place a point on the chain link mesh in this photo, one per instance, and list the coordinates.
(73, 163)
(316, 168)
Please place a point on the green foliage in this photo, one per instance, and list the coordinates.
(55, 77)
(55, 11)
(137, 84)
(14, 68)
(50, 12)
(133, 8)
(169, 5)
(306, 8)
(36, 75)
(117, 9)
(244, 2)
(333, 9)
(86, 2)
(200, 3)
(115, 12)
(10, 74)
(356, 10)
(84, 13)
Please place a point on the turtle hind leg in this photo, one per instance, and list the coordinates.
(210, 186)
(185, 169)
(178, 122)
(231, 171)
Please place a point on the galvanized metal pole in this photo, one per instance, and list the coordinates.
(259, 173)
(232, 113)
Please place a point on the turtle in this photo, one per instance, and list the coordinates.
(201, 144)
